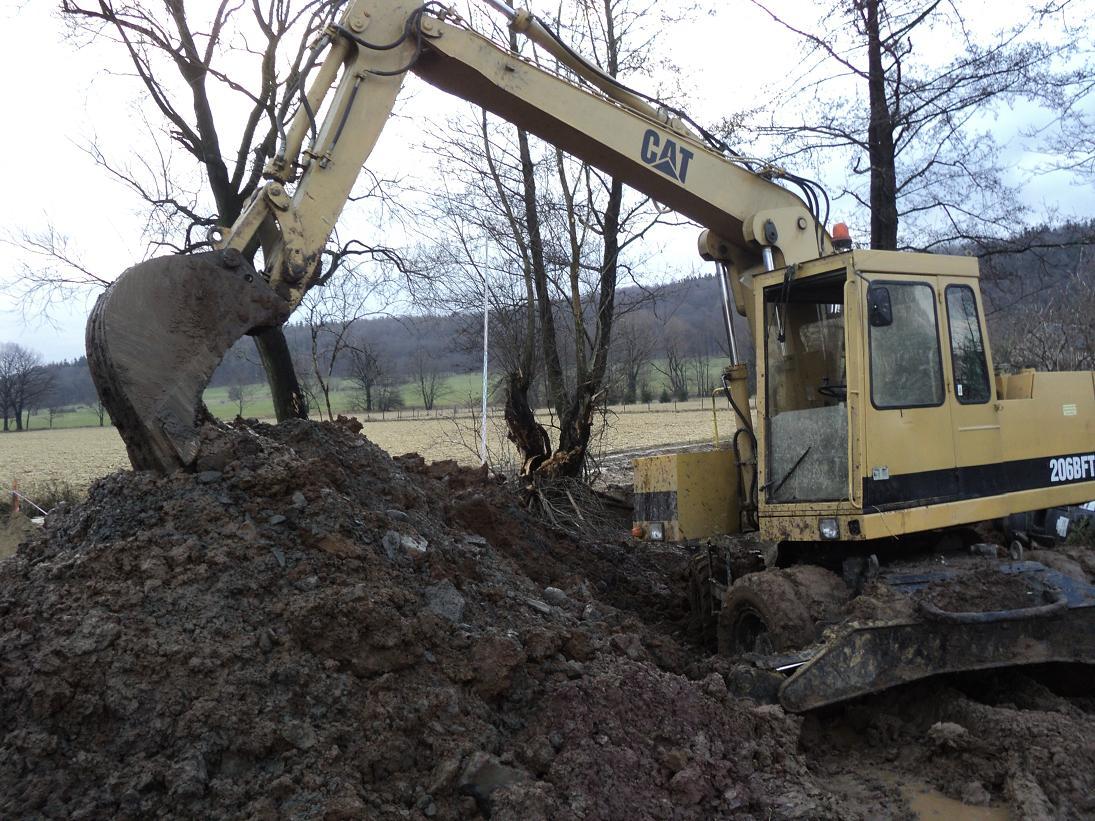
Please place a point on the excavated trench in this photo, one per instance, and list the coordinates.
(308, 628)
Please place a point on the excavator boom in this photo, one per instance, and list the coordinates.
(158, 333)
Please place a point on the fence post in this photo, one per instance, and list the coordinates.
(14, 495)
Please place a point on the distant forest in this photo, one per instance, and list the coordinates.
(685, 316)
(1040, 305)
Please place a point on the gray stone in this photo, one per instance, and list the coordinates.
(279, 555)
(391, 542)
(443, 773)
(396, 515)
(208, 477)
(948, 734)
(483, 774)
(403, 544)
(445, 600)
(974, 793)
(413, 544)
(276, 519)
(555, 596)
(714, 686)
(299, 500)
(301, 736)
(539, 606)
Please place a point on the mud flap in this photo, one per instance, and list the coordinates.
(869, 658)
(156, 335)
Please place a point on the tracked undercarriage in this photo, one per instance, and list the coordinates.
(863, 626)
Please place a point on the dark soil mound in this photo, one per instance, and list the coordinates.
(308, 628)
(315, 630)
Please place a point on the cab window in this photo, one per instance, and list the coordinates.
(906, 365)
(971, 373)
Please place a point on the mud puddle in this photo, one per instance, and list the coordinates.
(930, 805)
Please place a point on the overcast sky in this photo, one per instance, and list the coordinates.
(57, 96)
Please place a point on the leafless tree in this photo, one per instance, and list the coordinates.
(213, 85)
(700, 365)
(100, 411)
(330, 314)
(389, 397)
(1068, 141)
(917, 159)
(431, 383)
(25, 383)
(373, 378)
(366, 374)
(240, 393)
(633, 349)
(1056, 335)
(561, 233)
(676, 345)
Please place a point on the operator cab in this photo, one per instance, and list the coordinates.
(875, 395)
(806, 389)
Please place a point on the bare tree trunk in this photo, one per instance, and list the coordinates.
(880, 141)
(528, 436)
(576, 421)
(289, 401)
(553, 367)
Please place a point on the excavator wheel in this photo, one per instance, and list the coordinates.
(777, 611)
(156, 335)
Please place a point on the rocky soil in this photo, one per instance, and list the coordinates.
(308, 628)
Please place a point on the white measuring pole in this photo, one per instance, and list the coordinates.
(486, 340)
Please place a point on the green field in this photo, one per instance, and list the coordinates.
(459, 391)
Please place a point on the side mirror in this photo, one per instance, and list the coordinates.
(879, 309)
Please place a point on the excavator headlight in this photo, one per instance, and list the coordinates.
(829, 529)
(656, 532)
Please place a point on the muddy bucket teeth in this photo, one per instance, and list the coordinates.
(156, 335)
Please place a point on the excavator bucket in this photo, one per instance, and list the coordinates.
(155, 337)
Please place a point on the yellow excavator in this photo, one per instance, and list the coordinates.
(880, 423)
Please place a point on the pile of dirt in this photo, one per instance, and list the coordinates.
(308, 628)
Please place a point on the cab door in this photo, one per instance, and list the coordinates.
(909, 442)
(977, 441)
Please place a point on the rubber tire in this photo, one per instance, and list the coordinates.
(778, 611)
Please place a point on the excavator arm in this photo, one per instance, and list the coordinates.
(155, 337)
